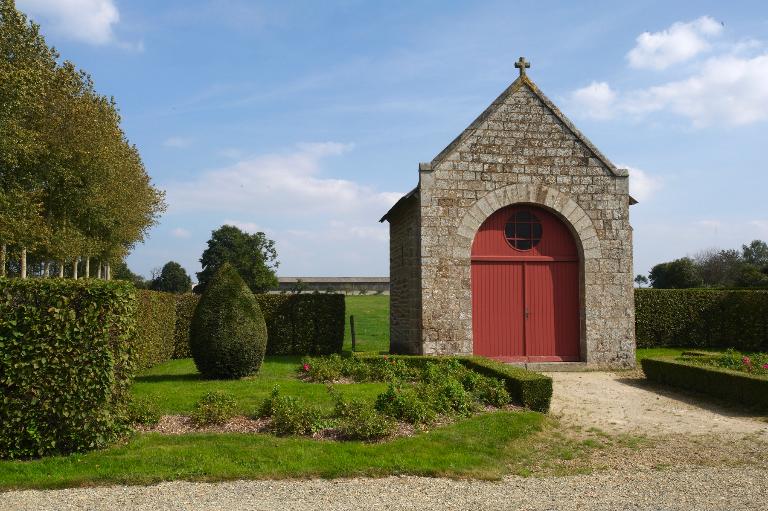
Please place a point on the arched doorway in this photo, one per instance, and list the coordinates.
(525, 287)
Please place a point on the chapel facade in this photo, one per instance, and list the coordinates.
(516, 243)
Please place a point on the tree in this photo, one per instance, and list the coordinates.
(719, 268)
(678, 274)
(253, 255)
(756, 254)
(120, 271)
(641, 280)
(172, 279)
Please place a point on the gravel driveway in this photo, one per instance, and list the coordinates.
(624, 403)
(704, 473)
(699, 489)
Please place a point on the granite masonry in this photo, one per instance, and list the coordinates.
(520, 150)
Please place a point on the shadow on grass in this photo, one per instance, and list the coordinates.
(159, 378)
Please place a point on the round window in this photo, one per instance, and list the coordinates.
(523, 230)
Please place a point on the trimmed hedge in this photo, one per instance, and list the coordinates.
(311, 324)
(526, 388)
(156, 319)
(532, 390)
(228, 336)
(730, 385)
(702, 318)
(66, 359)
(185, 309)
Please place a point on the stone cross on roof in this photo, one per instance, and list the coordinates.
(521, 64)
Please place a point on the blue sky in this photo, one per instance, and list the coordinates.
(306, 120)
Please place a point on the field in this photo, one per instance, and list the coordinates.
(371, 323)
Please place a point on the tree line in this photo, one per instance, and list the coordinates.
(745, 268)
(75, 196)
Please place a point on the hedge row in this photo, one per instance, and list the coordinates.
(526, 388)
(156, 320)
(66, 359)
(185, 308)
(529, 389)
(702, 318)
(725, 384)
(311, 324)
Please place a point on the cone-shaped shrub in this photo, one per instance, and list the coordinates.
(228, 335)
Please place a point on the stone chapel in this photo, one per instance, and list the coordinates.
(516, 243)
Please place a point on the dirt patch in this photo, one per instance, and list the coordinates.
(625, 403)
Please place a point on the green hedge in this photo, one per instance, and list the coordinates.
(156, 320)
(311, 324)
(532, 390)
(725, 384)
(702, 318)
(185, 308)
(526, 388)
(66, 359)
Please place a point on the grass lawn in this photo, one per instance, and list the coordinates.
(484, 446)
(371, 322)
(642, 353)
(177, 386)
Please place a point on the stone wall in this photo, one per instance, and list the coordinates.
(405, 279)
(522, 150)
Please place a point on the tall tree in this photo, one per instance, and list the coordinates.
(253, 255)
(173, 278)
(678, 274)
(756, 254)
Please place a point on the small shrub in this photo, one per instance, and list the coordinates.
(404, 403)
(291, 416)
(228, 335)
(448, 397)
(361, 421)
(214, 408)
(490, 391)
(323, 369)
(143, 410)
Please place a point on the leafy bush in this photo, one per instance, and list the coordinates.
(702, 318)
(334, 367)
(361, 421)
(490, 391)
(66, 359)
(291, 416)
(185, 309)
(215, 407)
(143, 410)
(738, 387)
(752, 363)
(402, 402)
(228, 335)
(156, 317)
(304, 324)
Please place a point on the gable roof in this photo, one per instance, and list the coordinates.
(498, 102)
(521, 81)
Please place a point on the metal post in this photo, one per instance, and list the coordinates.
(352, 329)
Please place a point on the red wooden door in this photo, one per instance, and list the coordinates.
(525, 292)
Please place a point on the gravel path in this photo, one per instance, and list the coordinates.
(621, 403)
(700, 489)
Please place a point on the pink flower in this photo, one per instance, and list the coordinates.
(746, 361)
(765, 366)
(306, 368)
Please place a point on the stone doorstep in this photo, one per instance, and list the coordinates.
(550, 367)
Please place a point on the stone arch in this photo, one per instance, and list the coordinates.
(562, 204)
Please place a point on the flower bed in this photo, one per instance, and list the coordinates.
(751, 363)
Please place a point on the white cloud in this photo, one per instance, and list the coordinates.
(678, 43)
(642, 185)
(177, 142)
(726, 89)
(288, 182)
(180, 232)
(90, 21)
(320, 224)
(596, 100)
